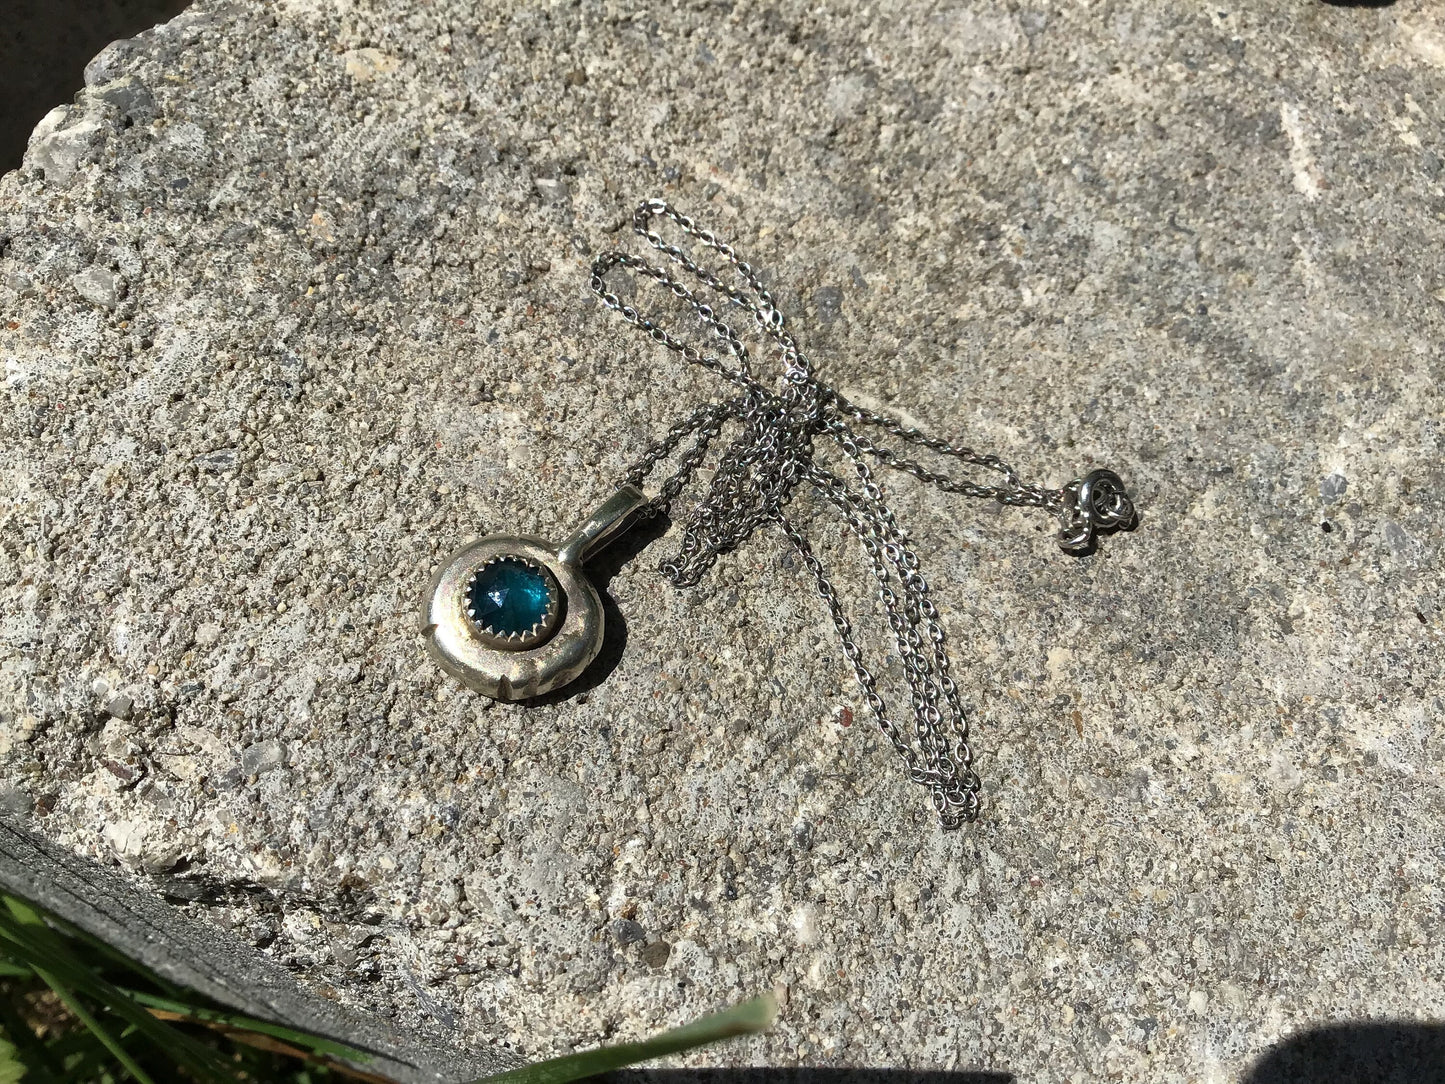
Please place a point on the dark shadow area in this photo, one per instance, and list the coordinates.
(803, 1076)
(44, 48)
(601, 567)
(1359, 3)
(1379, 1052)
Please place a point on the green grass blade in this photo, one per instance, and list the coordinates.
(28, 915)
(32, 942)
(302, 1039)
(176, 1001)
(121, 962)
(109, 1041)
(80, 1056)
(23, 912)
(745, 1019)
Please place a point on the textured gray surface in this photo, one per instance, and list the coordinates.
(298, 305)
(107, 905)
(44, 45)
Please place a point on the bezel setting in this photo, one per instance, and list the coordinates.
(541, 630)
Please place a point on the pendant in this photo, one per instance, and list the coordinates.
(514, 616)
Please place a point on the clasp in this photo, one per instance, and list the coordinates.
(1097, 502)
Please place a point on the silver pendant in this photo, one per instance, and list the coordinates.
(514, 616)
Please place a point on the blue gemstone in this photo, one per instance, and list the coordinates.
(509, 597)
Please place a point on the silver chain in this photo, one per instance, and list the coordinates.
(760, 470)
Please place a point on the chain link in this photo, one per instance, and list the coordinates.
(771, 455)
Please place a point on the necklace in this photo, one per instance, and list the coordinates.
(515, 616)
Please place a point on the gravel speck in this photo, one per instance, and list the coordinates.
(626, 932)
(120, 706)
(99, 286)
(262, 757)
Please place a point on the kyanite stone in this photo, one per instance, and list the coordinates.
(509, 597)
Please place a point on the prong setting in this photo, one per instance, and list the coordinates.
(500, 621)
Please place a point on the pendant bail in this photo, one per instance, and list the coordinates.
(602, 525)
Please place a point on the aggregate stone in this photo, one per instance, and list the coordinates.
(131, 98)
(263, 757)
(1200, 245)
(99, 286)
(626, 932)
(119, 706)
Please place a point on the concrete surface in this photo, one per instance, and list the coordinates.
(295, 302)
